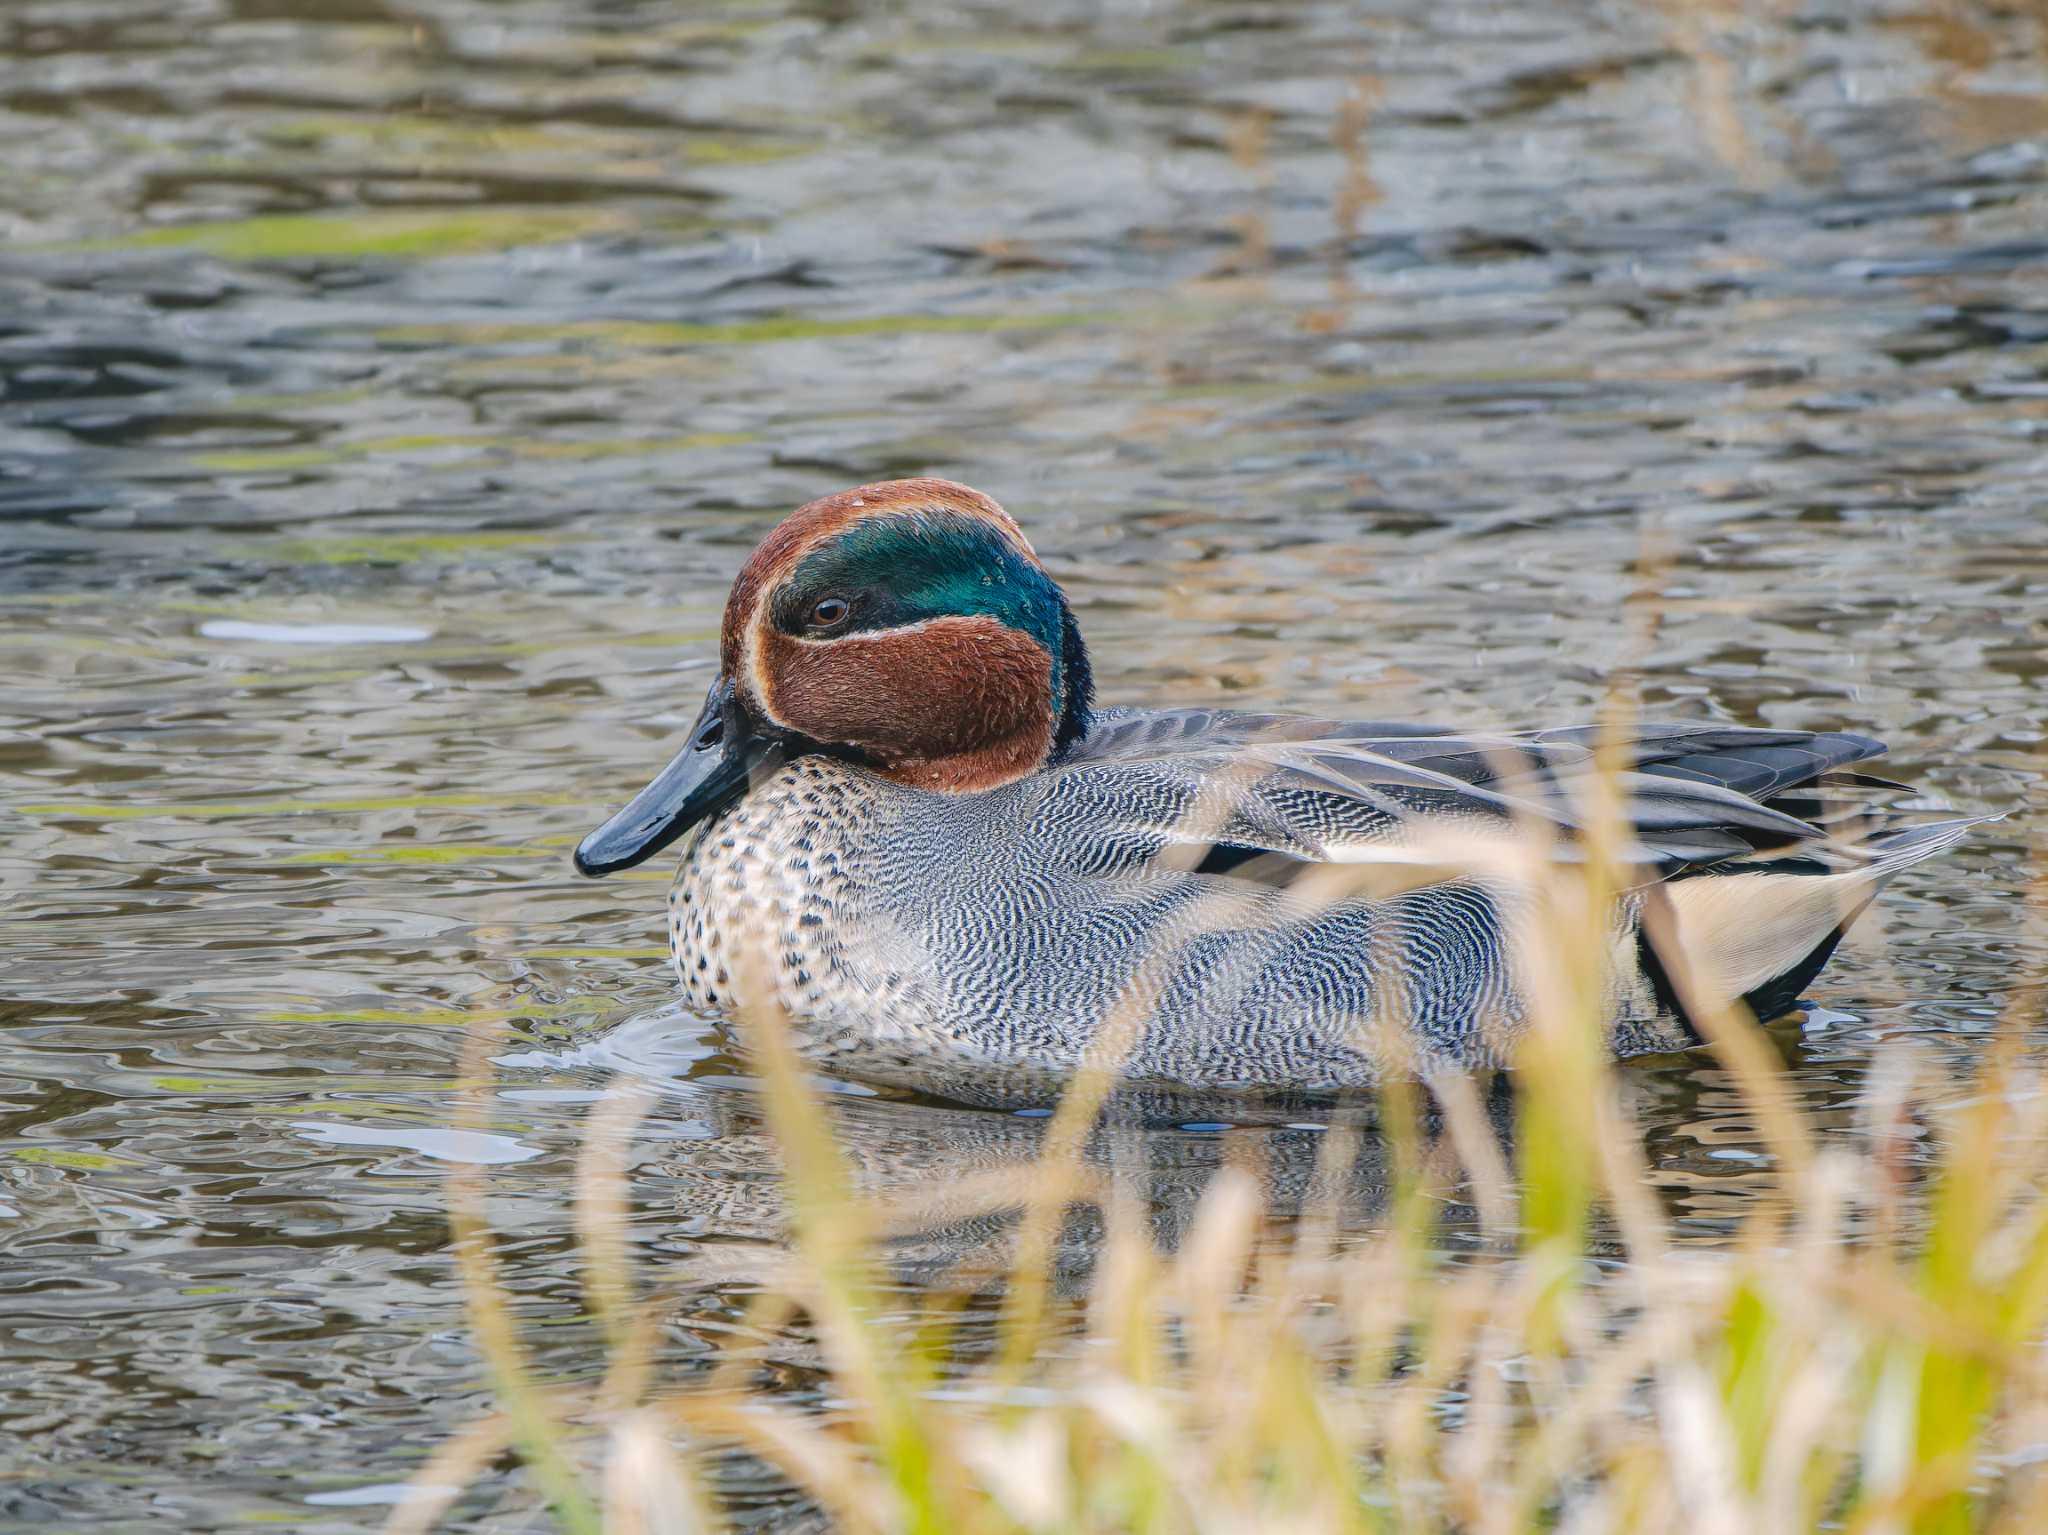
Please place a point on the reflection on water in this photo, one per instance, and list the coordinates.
(391, 388)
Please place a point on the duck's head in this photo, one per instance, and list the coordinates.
(905, 626)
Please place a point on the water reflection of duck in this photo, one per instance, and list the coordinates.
(952, 866)
(945, 1185)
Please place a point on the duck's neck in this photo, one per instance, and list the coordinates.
(1074, 682)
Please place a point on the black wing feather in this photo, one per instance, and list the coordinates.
(1696, 794)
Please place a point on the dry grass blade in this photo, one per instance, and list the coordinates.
(604, 1206)
(1473, 1140)
(536, 1427)
(432, 1491)
(1733, 1037)
(845, 1484)
(647, 1489)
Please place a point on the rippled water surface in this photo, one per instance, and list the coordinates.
(391, 388)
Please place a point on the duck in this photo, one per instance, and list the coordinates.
(904, 817)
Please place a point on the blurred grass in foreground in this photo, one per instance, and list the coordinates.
(1865, 1355)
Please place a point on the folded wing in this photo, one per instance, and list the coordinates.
(1253, 794)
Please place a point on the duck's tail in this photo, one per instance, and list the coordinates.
(1763, 936)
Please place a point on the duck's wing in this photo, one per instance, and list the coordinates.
(1241, 789)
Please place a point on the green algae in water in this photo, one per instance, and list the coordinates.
(55, 1156)
(271, 460)
(415, 853)
(396, 548)
(793, 327)
(367, 232)
(91, 810)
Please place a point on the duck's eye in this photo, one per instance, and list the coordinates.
(830, 612)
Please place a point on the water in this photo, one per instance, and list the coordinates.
(392, 389)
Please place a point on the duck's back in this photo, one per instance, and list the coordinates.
(1257, 897)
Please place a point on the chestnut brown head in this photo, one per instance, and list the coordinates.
(906, 626)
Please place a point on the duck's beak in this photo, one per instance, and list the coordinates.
(724, 756)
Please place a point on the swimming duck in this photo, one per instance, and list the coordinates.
(901, 795)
